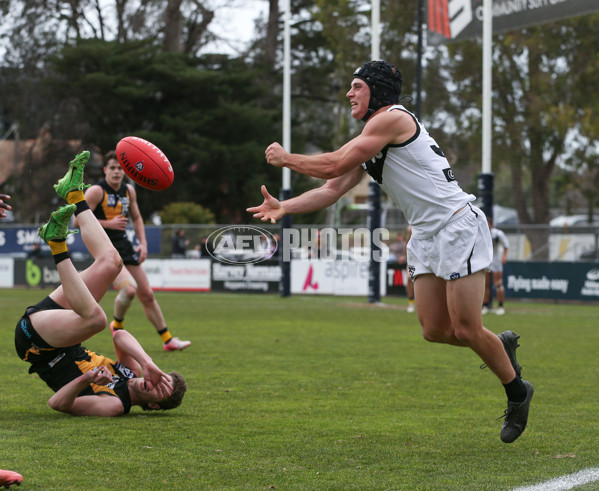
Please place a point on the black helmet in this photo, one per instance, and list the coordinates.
(384, 80)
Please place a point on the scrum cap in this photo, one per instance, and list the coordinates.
(384, 80)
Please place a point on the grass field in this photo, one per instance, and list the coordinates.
(313, 393)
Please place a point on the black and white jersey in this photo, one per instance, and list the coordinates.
(418, 178)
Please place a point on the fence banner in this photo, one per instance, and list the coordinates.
(340, 277)
(42, 272)
(178, 274)
(21, 240)
(397, 277)
(7, 275)
(263, 277)
(457, 20)
(560, 281)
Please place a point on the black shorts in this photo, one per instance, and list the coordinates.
(126, 251)
(30, 346)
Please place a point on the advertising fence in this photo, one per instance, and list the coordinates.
(554, 280)
(523, 280)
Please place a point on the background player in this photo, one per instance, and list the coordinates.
(409, 283)
(495, 276)
(113, 201)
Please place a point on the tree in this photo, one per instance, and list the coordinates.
(543, 95)
(186, 212)
(213, 124)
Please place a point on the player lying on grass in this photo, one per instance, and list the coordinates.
(49, 334)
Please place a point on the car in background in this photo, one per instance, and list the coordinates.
(502, 215)
(573, 221)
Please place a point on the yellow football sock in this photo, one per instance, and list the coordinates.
(118, 324)
(75, 197)
(165, 335)
(58, 247)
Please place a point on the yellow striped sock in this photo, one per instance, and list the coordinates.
(75, 197)
(118, 324)
(58, 247)
(165, 335)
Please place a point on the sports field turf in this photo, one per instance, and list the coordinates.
(313, 393)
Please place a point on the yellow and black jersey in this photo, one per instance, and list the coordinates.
(59, 366)
(113, 204)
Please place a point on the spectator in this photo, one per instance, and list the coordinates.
(180, 244)
(397, 249)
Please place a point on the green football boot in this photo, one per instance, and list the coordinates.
(57, 227)
(73, 179)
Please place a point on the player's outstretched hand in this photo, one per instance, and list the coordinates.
(270, 209)
(156, 378)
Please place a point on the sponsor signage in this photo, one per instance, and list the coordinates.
(342, 277)
(396, 277)
(178, 274)
(7, 274)
(556, 280)
(42, 272)
(246, 278)
(457, 20)
(20, 240)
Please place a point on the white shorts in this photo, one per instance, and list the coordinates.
(497, 265)
(460, 248)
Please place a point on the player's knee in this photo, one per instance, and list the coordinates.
(125, 297)
(466, 334)
(434, 335)
(97, 320)
(112, 261)
(146, 296)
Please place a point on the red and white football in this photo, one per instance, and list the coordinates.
(145, 163)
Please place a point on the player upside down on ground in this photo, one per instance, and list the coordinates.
(113, 201)
(49, 334)
(450, 247)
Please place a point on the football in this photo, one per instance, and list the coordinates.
(145, 163)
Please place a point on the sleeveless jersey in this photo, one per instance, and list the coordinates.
(418, 178)
(113, 204)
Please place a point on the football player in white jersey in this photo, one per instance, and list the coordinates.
(450, 248)
(495, 276)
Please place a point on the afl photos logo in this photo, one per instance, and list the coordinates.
(241, 244)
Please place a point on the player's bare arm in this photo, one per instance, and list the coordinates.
(131, 354)
(138, 224)
(315, 199)
(382, 129)
(65, 399)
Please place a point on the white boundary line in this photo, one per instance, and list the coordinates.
(570, 481)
